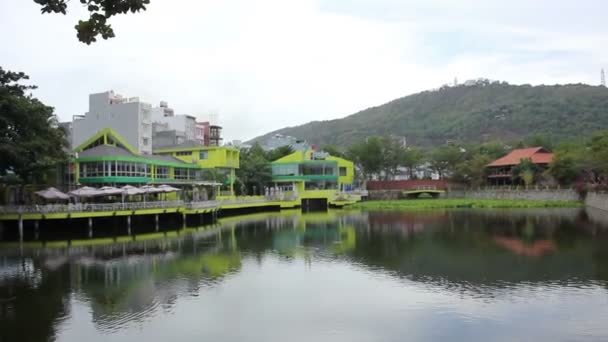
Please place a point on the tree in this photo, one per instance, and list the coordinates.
(444, 159)
(412, 158)
(392, 156)
(598, 154)
(254, 171)
(31, 143)
(526, 170)
(367, 155)
(99, 13)
(334, 151)
(472, 171)
(279, 152)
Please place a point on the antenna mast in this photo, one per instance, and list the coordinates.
(603, 76)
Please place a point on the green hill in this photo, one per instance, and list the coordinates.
(480, 111)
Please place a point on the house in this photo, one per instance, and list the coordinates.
(222, 161)
(107, 158)
(307, 171)
(500, 171)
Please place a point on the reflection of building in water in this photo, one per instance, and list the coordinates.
(534, 249)
(407, 223)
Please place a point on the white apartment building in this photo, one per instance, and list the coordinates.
(129, 117)
(183, 124)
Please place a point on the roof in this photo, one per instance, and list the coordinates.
(538, 155)
(115, 151)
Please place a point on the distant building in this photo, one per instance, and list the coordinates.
(129, 117)
(183, 124)
(280, 140)
(500, 171)
(202, 133)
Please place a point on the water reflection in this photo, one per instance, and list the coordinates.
(131, 286)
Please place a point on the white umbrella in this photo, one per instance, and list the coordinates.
(52, 193)
(85, 191)
(168, 188)
(130, 190)
(150, 189)
(109, 191)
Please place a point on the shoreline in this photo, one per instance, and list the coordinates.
(460, 203)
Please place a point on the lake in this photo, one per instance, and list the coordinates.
(463, 275)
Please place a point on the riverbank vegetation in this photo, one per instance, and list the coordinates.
(581, 163)
(455, 203)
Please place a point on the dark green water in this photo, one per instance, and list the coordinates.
(532, 275)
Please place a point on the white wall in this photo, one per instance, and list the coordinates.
(130, 119)
(180, 123)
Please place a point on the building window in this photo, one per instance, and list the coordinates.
(203, 155)
(145, 141)
(183, 153)
(342, 171)
(181, 173)
(162, 172)
(285, 170)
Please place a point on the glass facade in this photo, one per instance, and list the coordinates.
(113, 168)
(321, 185)
(305, 169)
(162, 172)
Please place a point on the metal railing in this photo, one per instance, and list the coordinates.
(202, 205)
(90, 207)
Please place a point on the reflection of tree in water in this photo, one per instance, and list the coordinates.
(469, 248)
(32, 300)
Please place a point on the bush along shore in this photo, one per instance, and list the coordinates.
(456, 203)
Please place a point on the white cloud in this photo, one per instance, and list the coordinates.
(267, 64)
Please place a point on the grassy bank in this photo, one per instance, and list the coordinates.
(453, 203)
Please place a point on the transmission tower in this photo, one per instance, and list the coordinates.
(603, 76)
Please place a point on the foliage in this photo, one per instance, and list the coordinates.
(279, 153)
(254, 172)
(411, 159)
(99, 13)
(367, 156)
(568, 164)
(422, 204)
(444, 160)
(526, 170)
(334, 151)
(393, 155)
(472, 113)
(31, 143)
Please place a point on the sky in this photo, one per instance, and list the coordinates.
(261, 65)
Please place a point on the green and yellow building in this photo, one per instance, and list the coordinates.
(107, 159)
(313, 174)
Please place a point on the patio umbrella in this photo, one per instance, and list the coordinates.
(130, 190)
(168, 188)
(52, 194)
(150, 189)
(85, 191)
(109, 191)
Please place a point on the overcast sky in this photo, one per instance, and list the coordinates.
(262, 65)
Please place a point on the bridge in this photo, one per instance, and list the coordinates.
(430, 190)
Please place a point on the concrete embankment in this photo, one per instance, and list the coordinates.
(501, 194)
(597, 200)
(517, 194)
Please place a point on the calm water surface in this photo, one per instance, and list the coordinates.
(533, 275)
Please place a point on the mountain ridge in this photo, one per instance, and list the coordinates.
(478, 111)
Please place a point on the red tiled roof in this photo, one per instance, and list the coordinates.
(538, 155)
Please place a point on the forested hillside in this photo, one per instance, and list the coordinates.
(480, 111)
